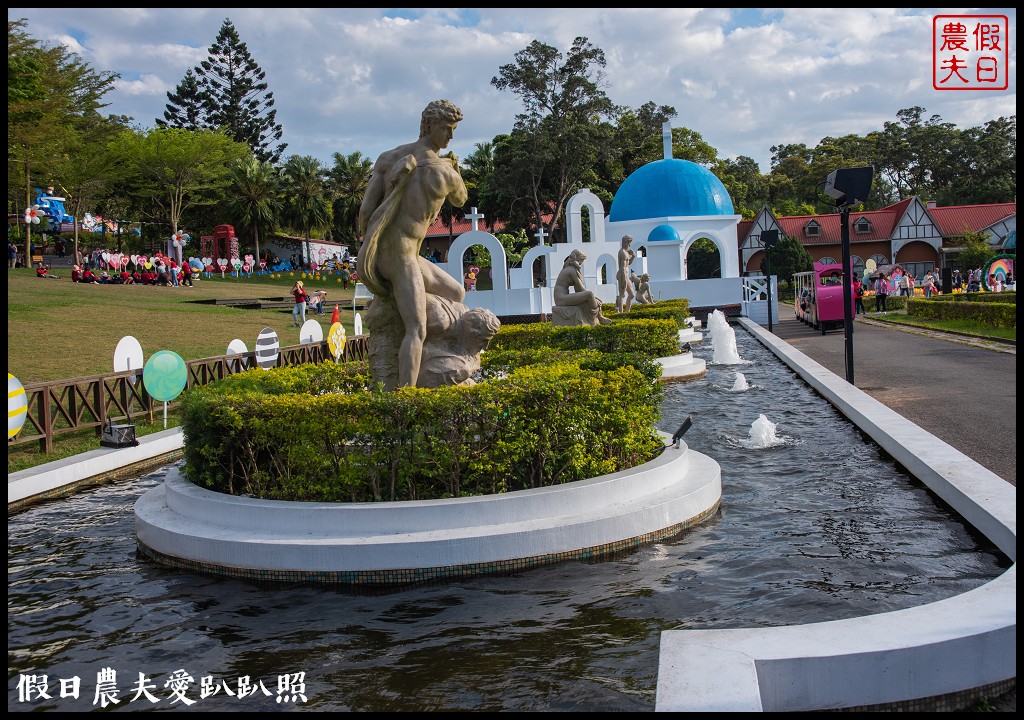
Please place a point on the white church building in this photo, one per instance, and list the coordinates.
(666, 206)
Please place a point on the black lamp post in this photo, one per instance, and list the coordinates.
(848, 186)
(769, 238)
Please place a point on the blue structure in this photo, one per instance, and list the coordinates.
(53, 207)
(670, 188)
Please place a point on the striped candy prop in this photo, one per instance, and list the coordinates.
(17, 406)
(268, 348)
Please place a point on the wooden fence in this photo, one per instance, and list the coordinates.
(64, 406)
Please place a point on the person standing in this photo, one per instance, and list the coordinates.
(904, 282)
(858, 296)
(186, 274)
(929, 284)
(958, 281)
(299, 293)
(12, 255)
(346, 277)
(881, 293)
(407, 188)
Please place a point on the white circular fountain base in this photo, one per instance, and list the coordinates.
(180, 524)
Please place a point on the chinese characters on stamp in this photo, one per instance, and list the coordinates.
(970, 52)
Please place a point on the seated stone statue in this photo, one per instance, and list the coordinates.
(573, 303)
(643, 290)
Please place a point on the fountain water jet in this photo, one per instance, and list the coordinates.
(741, 384)
(762, 434)
(723, 340)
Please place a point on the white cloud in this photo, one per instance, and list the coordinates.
(357, 79)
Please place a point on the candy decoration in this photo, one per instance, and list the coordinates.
(17, 406)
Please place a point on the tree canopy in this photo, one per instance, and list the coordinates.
(228, 90)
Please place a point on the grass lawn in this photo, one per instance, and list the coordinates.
(57, 329)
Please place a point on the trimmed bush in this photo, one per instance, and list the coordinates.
(993, 313)
(650, 338)
(322, 433)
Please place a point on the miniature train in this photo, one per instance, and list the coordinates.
(819, 297)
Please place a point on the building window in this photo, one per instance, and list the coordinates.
(862, 226)
(812, 229)
(880, 260)
(827, 261)
(858, 266)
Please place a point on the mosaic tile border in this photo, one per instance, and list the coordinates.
(413, 576)
(950, 702)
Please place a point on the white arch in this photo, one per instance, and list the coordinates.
(728, 262)
(574, 211)
(456, 266)
(522, 277)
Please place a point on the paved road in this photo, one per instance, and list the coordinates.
(961, 391)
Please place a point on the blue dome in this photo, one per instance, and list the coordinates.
(663, 232)
(670, 188)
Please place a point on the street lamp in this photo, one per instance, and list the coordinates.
(848, 186)
(769, 238)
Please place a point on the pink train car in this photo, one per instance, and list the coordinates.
(819, 297)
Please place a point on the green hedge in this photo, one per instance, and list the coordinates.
(495, 363)
(650, 338)
(677, 310)
(320, 433)
(994, 313)
(1008, 297)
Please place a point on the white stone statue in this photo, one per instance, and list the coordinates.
(624, 298)
(573, 303)
(408, 186)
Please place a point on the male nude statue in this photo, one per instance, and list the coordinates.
(624, 298)
(406, 190)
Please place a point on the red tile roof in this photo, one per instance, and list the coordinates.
(883, 222)
(440, 228)
(952, 220)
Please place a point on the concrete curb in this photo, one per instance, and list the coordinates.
(892, 659)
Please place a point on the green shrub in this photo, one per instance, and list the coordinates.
(650, 338)
(988, 312)
(324, 433)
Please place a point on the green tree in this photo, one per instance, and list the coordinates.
(254, 197)
(175, 168)
(94, 168)
(789, 257)
(982, 167)
(53, 98)
(185, 109)
(975, 249)
(703, 260)
(228, 90)
(557, 135)
(347, 181)
(306, 205)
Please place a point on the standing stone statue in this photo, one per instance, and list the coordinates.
(408, 186)
(573, 303)
(624, 298)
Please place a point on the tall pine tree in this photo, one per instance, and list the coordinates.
(227, 90)
(185, 109)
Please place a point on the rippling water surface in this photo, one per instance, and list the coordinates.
(819, 525)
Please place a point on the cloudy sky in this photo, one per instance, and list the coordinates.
(357, 79)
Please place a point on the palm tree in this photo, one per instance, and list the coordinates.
(348, 180)
(255, 196)
(306, 203)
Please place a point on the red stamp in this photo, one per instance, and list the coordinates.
(970, 52)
